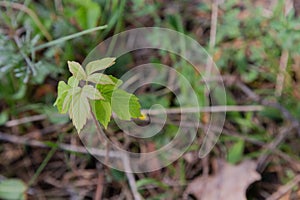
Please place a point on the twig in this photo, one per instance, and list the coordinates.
(247, 91)
(99, 130)
(284, 189)
(130, 177)
(99, 190)
(68, 37)
(42, 166)
(213, 33)
(16, 122)
(280, 76)
(250, 108)
(66, 147)
(30, 12)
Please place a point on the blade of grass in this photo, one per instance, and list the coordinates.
(68, 37)
(45, 161)
(118, 27)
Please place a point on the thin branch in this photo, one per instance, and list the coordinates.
(99, 130)
(99, 190)
(16, 122)
(213, 33)
(68, 37)
(66, 147)
(130, 177)
(281, 74)
(251, 108)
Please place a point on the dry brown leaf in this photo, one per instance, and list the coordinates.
(230, 182)
(287, 196)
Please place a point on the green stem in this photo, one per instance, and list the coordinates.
(44, 163)
(68, 37)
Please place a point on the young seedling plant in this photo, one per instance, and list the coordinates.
(91, 94)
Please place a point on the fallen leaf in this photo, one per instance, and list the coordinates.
(286, 196)
(230, 182)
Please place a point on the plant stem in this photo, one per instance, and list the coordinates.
(44, 163)
(68, 37)
(99, 130)
(102, 139)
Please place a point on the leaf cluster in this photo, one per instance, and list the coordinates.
(89, 92)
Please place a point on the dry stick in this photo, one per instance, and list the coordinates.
(130, 177)
(186, 124)
(25, 120)
(282, 70)
(99, 130)
(30, 12)
(283, 59)
(234, 108)
(66, 147)
(284, 189)
(99, 190)
(213, 32)
(209, 64)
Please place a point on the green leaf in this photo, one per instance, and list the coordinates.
(116, 81)
(235, 153)
(12, 189)
(68, 98)
(62, 92)
(150, 181)
(125, 105)
(77, 71)
(78, 104)
(87, 13)
(3, 117)
(91, 92)
(99, 65)
(103, 111)
(79, 110)
(106, 96)
(99, 78)
(106, 91)
(73, 82)
(117, 175)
